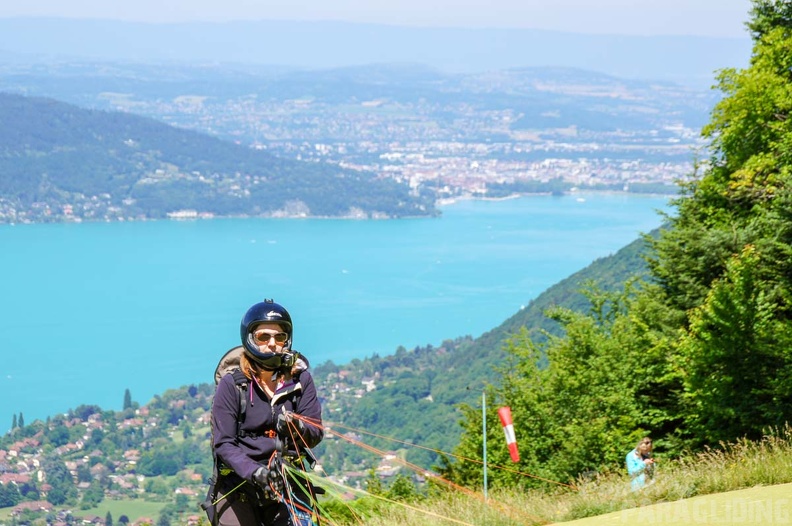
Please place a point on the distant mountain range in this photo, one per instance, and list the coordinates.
(689, 60)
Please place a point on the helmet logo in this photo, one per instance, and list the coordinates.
(274, 313)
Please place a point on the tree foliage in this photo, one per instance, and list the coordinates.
(62, 485)
(9, 495)
(731, 355)
(767, 15)
(576, 413)
(699, 352)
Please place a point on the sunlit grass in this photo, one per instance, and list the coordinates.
(730, 467)
(134, 509)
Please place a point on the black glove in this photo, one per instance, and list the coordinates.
(288, 425)
(270, 481)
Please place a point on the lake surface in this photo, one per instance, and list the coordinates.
(89, 310)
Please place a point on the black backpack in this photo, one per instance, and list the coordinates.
(228, 364)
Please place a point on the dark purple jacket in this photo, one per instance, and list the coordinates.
(246, 453)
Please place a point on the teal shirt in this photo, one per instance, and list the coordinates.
(637, 469)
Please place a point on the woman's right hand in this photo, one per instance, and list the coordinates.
(270, 481)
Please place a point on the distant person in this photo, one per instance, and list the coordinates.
(640, 464)
(282, 419)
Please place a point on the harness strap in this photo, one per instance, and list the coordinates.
(242, 383)
(218, 470)
(269, 433)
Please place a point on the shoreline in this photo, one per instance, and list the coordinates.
(179, 216)
(453, 200)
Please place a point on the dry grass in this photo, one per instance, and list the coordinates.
(732, 466)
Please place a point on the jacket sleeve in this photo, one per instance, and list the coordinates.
(310, 408)
(635, 465)
(225, 409)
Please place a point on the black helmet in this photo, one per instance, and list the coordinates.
(265, 312)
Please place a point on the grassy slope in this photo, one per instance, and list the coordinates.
(758, 506)
(743, 482)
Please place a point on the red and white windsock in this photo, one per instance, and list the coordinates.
(508, 428)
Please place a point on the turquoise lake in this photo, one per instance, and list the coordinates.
(89, 310)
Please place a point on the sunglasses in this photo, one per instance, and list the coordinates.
(263, 338)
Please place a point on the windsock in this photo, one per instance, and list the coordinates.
(508, 428)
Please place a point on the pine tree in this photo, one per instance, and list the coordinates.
(127, 400)
(14, 422)
(21, 420)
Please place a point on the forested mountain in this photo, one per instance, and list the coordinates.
(61, 162)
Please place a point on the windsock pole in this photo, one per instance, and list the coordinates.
(484, 434)
(508, 429)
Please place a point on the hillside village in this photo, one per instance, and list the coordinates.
(157, 452)
(22, 463)
(462, 149)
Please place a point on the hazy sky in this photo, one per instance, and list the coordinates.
(630, 17)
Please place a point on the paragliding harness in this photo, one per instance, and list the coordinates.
(229, 364)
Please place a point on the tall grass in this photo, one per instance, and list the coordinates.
(728, 467)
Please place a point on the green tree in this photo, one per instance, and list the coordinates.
(578, 401)
(63, 489)
(723, 265)
(9, 495)
(95, 440)
(14, 422)
(731, 356)
(157, 486)
(21, 420)
(402, 489)
(108, 519)
(84, 473)
(58, 436)
(743, 197)
(186, 428)
(92, 496)
(29, 490)
(767, 15)
(127, 399)
(373, 484)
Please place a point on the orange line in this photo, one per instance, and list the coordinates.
(398, 503)
(419, 469)
(438, 478)
(475, 461)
